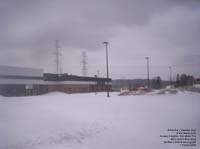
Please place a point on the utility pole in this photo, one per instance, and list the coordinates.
(170, 75)
(108, 88)
(147, 58)
(84, 63)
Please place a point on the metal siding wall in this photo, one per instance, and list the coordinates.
(13, 90)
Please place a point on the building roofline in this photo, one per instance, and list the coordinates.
(66, 77)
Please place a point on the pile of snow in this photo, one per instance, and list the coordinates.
(136, 92)
(151, 92)
(164, 91)
(168, 87)
(196, 85)
(93, 121)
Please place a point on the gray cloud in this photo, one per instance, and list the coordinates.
(161, 26)
(36, 23)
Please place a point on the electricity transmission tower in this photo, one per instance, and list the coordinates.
(57, 57)
(84, 63)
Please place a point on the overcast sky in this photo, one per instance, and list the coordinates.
(168, 31)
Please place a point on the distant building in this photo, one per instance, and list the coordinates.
(17, 81)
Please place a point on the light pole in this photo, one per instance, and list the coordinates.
(170, 75)
(108, 88)
(147, 58)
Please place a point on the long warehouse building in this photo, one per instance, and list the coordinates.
(18, 81)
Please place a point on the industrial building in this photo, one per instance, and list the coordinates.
(18, 81)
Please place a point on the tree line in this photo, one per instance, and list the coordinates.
(184, 80)
(181, 80)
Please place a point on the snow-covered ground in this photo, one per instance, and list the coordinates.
(93, 121)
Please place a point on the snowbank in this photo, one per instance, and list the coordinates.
(196, 85)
